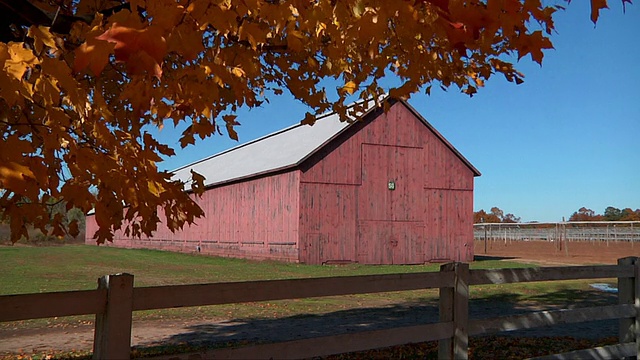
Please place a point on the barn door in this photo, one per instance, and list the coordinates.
(312, 248)
(389, 242)
(439, 240)
(375, 243)
(390, 205)
(410, 239)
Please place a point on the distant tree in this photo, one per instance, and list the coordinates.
(495, 215)
(479, 216)
(584, 214)
(510, 218)
(629, 215)
(612, 214)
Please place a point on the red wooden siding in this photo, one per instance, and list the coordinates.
(327, 222)
(443, 168)
(449, 228)
(252, 219)
(400, 165)
(427, 217)
(390, 242)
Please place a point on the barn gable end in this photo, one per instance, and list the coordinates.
(386, 190)
(348, 212)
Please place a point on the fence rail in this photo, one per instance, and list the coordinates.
(116, 298)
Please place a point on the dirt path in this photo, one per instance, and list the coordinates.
(550, 254)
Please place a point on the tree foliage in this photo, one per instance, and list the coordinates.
(84, 80)
(610, 214)
(495, 215)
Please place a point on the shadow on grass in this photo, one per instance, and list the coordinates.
(259, 330)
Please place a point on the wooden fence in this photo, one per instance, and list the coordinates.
(115, 299)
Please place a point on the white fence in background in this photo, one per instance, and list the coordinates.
(618, 231)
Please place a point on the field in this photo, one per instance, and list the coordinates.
(549, 252)
(39, 269)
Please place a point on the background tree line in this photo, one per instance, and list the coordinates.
(610, 214)
(495, 215)
(58, 209)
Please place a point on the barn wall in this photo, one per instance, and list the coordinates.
(256, 219)
(348, 213)
(328, 218)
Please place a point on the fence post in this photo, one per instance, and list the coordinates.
(112, 337)
(629, 293)
(454, 306)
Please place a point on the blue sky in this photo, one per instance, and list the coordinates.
(568, 137)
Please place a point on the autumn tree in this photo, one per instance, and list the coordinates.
(84, 80)
(630, 215)
(481, 216)
(510, 218)
(627, 214)
(584, 214)
(611, 213)
(495, 215)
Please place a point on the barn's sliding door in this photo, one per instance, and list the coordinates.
(391, 206)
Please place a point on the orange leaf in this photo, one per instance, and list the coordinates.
(186, 41)
(94, 54)
(350, 87)
(132, 45)
(197, 184)
(230, 121)
(42, 37)
(238, 72)
(20, 59)
(73, 228)
(13, 177)
(596, 6)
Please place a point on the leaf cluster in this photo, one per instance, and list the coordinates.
(84, 80)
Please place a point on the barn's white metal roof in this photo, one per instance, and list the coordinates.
(282, 150)
(279, 150)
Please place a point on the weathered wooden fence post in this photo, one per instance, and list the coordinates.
(112, 337)
(629, 293)
(454, 306)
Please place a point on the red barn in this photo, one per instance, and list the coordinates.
(388, 189)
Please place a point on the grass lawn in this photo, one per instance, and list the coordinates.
(60, 268)
(77, 267)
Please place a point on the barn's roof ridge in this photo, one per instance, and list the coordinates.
(284, 149)
(276, 151)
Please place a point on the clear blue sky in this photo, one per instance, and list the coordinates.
(566, 138)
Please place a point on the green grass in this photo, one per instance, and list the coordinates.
(77, 267)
